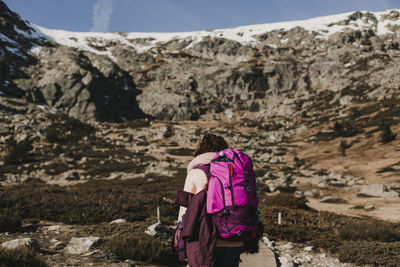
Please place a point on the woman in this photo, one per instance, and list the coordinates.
(227, 253)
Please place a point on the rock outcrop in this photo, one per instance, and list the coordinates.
(21, 242)
(81, 245)
(277, 71)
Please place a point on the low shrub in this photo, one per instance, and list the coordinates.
(17, 152)
(95, 201)
(143, 123)
(20, 257)
(9, 221)
(66, 130)
(345, 128)
(370, 230)
(180, 151)
(371, 253)
(387, 135)
(140, 247)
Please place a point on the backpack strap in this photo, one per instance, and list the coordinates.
(206, 169)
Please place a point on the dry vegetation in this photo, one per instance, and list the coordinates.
(97, 202)
(361, 241)
(20, 257)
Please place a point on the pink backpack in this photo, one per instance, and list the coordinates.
(232, 195)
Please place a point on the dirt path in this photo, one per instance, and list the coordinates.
(264, 258)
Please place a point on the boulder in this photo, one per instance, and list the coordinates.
(81, 245)
(373, 190)
(390, 194)
(71, 176)
(118, 221)
(22, 242)
(157, 230)
(331, 199)
(369, 207)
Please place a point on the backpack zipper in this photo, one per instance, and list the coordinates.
(222, 191)
(231, 172)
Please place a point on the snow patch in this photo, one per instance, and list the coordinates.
(16, 51)
(96, 42)
(36, 50)
(8, 40)
(42, 107)
(22, 32)
(126, 87)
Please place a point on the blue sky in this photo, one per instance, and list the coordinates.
(179, 15)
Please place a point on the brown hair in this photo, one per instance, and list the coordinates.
(210, 143)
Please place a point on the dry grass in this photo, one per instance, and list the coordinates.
(20, 257)
(334, 233)
(140, 247)
(95, 201)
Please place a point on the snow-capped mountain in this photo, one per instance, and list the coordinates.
(273, 69)
(380, 23)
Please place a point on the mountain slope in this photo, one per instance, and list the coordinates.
(80, 84)
(185, 75)
(273, 69)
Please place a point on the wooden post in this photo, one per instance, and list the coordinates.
(279, 218)
(158, 215)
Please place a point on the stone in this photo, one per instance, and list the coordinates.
(309, 248)
(308, 193)
(157, 230)
(288, 246)
(21, 242)
(283, 260)
(56, 244)
(229, 113)
(82, 245)
(71, 176)
(373, 190)
(331, 199)
(268, 242)
(390, 194)
(369, 207)
(118, 221)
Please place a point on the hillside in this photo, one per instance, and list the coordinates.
(315, 103)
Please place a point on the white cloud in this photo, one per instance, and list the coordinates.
(102, 12)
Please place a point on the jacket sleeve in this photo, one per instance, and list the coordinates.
(182, 198)
(192, 217)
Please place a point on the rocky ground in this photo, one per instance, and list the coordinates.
(288, 157)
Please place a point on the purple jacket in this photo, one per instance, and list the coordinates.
(199, 230)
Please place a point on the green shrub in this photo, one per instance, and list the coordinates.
(143, 123)
(370, 230)
(20, 257)
(371, 253)
(387, 135)
(95, 201)
(17, 152)
(287, 201)
(180, 151)
(9, 222)
(140, 247)
(66, 130)
(169, 132)
(345, 128)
